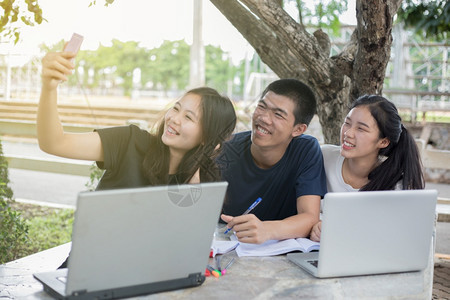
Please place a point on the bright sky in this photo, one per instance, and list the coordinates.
(148, 21)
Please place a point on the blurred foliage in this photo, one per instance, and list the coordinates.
(46, 231)
(94, 177)
(48, 227)
(13, 232)
(13, 228)
(320, 13)
(41, 228)
(17, 13)
(429, 17)
(127, 65)
(107, 2)
(5, 190)
(168, 66)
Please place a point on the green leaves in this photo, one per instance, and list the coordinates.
(49, 230)
(27, 12)
(107, 2)
(321, 13)
(13, 229)
(19, 236)
(13, 232)
(429, 17)
(163, 68)
(94, 177)
(15, 12)
(168, 66)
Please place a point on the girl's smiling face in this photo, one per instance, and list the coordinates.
(360, 135)
(182, 125)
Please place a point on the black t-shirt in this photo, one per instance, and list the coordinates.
(124, 150)
(299, 172)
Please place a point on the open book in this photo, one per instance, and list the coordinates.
(272, 247)
(222, 247)
(269, 248)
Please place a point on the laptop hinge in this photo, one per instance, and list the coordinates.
(83, 294)
(79, 293)
(197, 278)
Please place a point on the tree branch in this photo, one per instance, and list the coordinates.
(344, 60)
(302, 44)
(269, 47)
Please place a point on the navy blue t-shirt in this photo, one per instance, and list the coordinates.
(299, 172)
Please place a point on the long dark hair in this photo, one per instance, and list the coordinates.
(218, 120)
(402, 161)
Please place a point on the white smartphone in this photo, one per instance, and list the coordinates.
(74, 44)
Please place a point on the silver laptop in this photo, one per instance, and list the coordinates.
(372, 233)
(129, 242)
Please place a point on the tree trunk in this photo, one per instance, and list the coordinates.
(374, 31)
(292, 52)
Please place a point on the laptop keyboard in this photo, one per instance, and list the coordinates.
(315, 262)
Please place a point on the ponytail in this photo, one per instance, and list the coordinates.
(411, 165)
(401, 158)
(402, 164)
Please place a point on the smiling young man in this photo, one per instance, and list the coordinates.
(275, 161)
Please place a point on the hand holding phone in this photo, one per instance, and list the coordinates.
(74, 44)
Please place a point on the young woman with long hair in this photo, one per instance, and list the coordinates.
(376, 153)
(183, 149)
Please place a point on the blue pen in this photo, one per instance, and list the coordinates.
(257, 201)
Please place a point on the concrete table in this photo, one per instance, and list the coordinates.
(249, 277)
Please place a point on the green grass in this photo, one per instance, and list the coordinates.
(47, 227)
(430, 117)
(49, 231)
(438, 118)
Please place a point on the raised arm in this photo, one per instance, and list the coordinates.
(56, 66)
